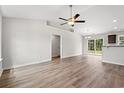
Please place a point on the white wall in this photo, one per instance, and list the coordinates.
(0, 41)
(55, 46)
(27, 41)
(83, 46)
(105, 39)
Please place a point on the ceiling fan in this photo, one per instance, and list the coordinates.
(72, 20)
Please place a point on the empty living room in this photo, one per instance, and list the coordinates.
(61, 46)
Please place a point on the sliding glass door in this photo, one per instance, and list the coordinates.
(95, 46)
(91, 47)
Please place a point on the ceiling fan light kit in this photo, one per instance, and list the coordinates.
(71, 23)
(72, 20)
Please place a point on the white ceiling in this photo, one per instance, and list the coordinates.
(99, 19)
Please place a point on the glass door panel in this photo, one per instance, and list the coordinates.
(98, 46)
(91, 48)
(95, 46)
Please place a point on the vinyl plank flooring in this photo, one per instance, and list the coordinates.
(72, 72)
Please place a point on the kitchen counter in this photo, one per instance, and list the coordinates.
(113, 54)
(114, 46)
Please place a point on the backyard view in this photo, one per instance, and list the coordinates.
(95, 46)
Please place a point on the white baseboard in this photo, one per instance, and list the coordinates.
(71, 55)
(16, 66)
(110, 62)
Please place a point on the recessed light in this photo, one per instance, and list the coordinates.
(115, 27)
(88, 37)
(114, 21)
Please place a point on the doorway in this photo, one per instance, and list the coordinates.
(95, 46)
(56, 48)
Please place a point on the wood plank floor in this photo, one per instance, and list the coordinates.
(73, 72)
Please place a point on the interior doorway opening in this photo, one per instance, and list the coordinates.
(56, 55)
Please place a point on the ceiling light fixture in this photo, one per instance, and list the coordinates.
(73, 19)
(87, 37)
(71, 23)
(114, 21)
(115, 27)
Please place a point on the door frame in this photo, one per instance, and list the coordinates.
(60, 45)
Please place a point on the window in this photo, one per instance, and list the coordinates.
(121, 39)
(91, 45)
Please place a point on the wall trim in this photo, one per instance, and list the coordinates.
(44, 61)
(16, 66)
(110, 62)
(71, 55)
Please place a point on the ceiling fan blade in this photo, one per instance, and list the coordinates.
(76, 16)
(80, 21)
(63, 23)
(63, 19)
